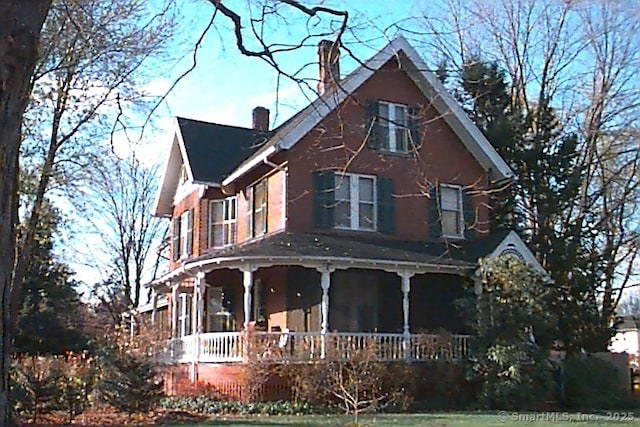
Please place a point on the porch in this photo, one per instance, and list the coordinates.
(300, 347)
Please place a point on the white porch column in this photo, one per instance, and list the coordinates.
(247, 282)
(406, 288)
(174, 311)
(325, 284)
(406, 330)
(477, 285)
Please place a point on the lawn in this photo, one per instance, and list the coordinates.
(448, 420)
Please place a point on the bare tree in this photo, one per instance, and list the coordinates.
(577, 59)
(118, 209)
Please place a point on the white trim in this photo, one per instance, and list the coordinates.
(428, 83)
(513, 243)
(253, 161)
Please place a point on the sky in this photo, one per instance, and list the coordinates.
(225, 86)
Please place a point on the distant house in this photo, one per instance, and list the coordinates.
(627, 337)
(361, 217)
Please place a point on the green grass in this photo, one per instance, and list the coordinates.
(445, 419)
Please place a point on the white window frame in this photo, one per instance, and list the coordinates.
(354, 201)
(185, 218)
(392, 123)
(228, 222)
(460, 210)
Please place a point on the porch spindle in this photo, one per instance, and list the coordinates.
(325, 283)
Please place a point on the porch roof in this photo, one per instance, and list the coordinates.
(316, 250)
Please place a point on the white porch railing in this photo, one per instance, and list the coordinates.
(220, 347)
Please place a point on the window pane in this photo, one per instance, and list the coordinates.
(401, 140)
(260, 194)
(343, 214)
(366, 189)
(384, 114)
(449, 198)
(450, 223)
(342, 183)
(216, 211)
(400, 116)
(217, 235)
(260, 223)
(366, 216)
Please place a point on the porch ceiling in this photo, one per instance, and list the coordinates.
(315, 250)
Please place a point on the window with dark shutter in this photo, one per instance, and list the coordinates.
(189, 242)
(373, 125)
(175, 246)
(470, 215)
(435, 229)
(386, 206)
(323, 198)
(414, 130)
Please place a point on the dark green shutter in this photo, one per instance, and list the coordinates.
(414, 129)
(386, 207)
(190, 232)
(435, 227)
(469, 214)
(372, 125)
(250, 212)
(175, 247)
(323, 198)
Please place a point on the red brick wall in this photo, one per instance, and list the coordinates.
(339, 140)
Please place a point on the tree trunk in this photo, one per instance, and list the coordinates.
(20, 25)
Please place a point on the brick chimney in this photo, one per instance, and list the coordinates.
(329, 62)
(261, 119)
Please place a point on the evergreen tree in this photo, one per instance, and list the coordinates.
(51, 316)
(546, 161)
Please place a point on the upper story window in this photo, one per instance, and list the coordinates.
(257, 209)
(355, 201)
(183, 174)
(451, 210)
(182, 233)
(222, 222)
(392, 127)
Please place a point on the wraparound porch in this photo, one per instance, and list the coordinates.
(285, 347)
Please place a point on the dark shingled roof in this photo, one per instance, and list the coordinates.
(214, 150)
(288, 244)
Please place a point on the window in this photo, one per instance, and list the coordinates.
(257, 209)
(184, 314)
(222, 222)
(351, 201)
(182, 245)
(451, 210)
(355, 202)
(394, 127)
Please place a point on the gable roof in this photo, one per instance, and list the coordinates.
(287, 135)
(209, 151)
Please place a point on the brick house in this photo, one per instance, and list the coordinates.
(361, 217)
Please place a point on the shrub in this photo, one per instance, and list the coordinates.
(592, 383)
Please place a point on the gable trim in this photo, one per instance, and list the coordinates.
(512, 244)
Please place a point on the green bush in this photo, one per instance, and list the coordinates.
(591, 383)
